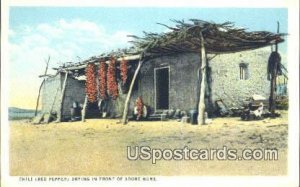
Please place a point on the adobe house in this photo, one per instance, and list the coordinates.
(190, 67)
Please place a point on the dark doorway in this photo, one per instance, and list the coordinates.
(162, 88)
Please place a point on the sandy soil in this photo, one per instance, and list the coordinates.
(99, 147)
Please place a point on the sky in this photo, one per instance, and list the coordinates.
(74, 34)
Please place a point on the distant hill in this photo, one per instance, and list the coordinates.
(15, 113)
(20, 110)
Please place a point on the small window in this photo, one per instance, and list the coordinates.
(244, 71)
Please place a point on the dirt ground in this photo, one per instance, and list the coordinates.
(99, 147)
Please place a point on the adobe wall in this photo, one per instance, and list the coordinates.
(50, 94)
(75, 92)
(226, 83)
(184, 83)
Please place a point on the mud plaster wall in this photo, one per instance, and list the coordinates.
(226, 83)
(50, 95)
(116, 107)
(225, 79)
(75, 92)
(184, 83)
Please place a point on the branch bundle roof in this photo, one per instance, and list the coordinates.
(185, 37)
(218, 38)
(117, 54)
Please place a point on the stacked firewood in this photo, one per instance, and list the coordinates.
(112, 85)
(102, 80)
(91, 84)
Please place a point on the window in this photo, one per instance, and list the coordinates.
(244, 71)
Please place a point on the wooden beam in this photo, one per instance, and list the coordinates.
(96, 61)
(62, 96)
(126, 105)
(201, 106)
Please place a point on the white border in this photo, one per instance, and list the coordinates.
(155, 3)
(293, 67)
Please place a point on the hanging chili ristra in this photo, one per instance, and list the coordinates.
(102, 80)
(139, 106)
(91, 84)
(123, 68)
(112, 85)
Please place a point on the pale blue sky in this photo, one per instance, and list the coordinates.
(72, 34)
(138, 19)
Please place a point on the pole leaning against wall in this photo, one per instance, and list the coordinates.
(43, 82)
(126, 105)
(274, 71)
(60, 111)
(201, 105)
(83, 111)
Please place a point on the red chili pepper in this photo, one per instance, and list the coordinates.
(112, 85)
(91, 84)
(139, 105)
(102, 80)
(123, 68)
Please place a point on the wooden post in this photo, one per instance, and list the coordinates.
(201, 106)
(60, 111)
(126, 105)
(276, 46)
(272, 99)
(272, 94)
(38, 98)
(83, 111)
